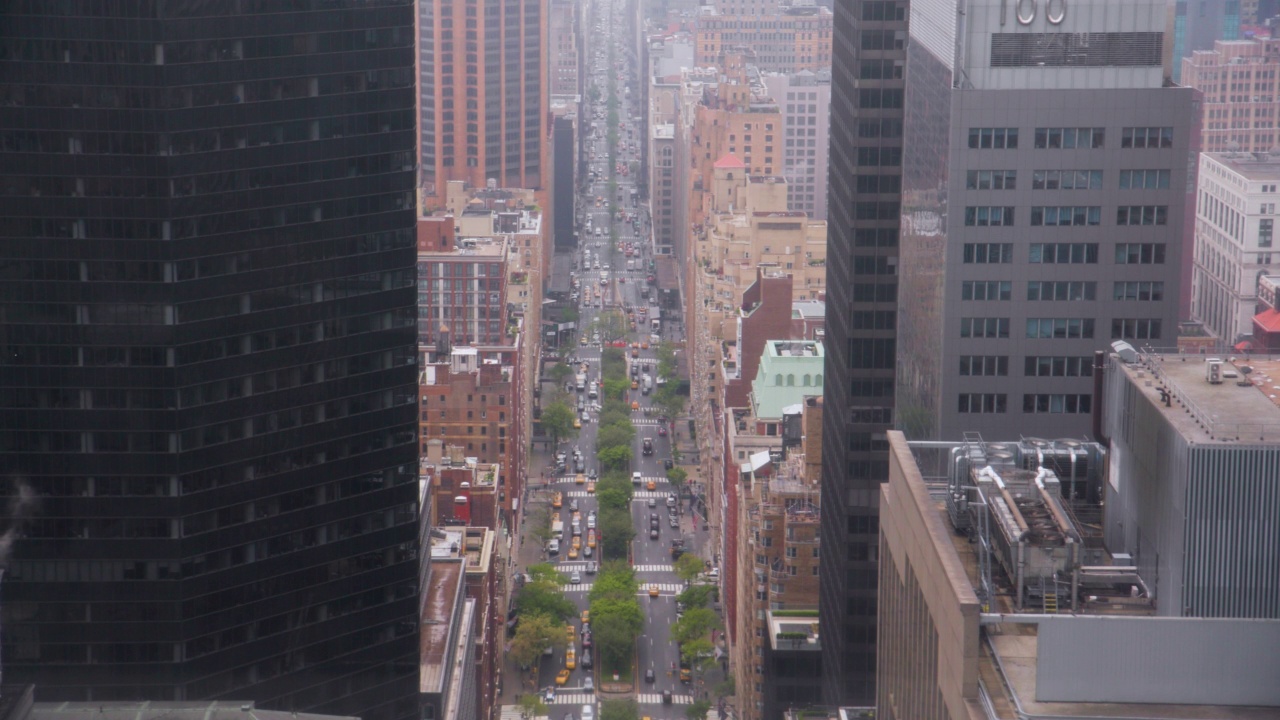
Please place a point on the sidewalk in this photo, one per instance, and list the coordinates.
(528, 551)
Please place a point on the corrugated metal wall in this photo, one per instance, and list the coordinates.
(1231, 560)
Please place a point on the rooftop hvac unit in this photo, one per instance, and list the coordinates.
(1213, 372)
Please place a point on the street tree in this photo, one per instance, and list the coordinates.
(559, 372)
(619, 710)
(534, 634)
(557, 421)
(616, 532)
(698, 710)
(688, 567)
(616, 580)
(677, 476)
(614, 642)
(698, 654)
(531, 706)
(539, 523)
(669, 400)
(613, 357)
(614, 435)
(612, 495)
(615, 388)
(696, 596)
(541, 599)
(616, 457)
(695, 624)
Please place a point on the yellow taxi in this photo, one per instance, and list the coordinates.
(557, 501)
(577, 542)
(635, 352)
(577, 423)
(570, 661)
(573, 553)
(570, 633)
(562, 677)
(635, 385)
(635, 405)
(591, 538)
(582, 340)
(586, 616)
(591, 487)
(580, 479)
(651, 485)
(653, 591)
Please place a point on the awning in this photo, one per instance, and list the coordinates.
(1244, 346)
(1268, 320)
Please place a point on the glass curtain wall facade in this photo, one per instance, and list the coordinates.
(869, 52)
(207, 391)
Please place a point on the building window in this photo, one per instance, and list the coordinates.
(984, 216)
(1066, 180)
(1057, 366)
(1063, 253)
(1059, 328)
(1139, 291)
(1146, 137)
(1142, 215)
(988, 253)
(983, 403)
(1069, 138)
(991, 179)
(1135, 329)
(984, 365)
(993, 138)
(984, 327)
(1056, 290)
(1057, 403)
(1265, 229)
(1144, 179)
(1140, 254)
(986, 290)
(1065, 216)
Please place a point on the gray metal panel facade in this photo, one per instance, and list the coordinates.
(1158, 660)
(1027, 110)
(1201, 521)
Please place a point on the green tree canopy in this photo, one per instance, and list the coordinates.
(559, 372)
(696, 624)
(688, 567)
(697, 654)
(616, 580)
(531, 705)
(612, 325)
(557, 420)
(539, 523)
(615, 388)
(543, 594)
(614, 435)
(677, 476)
(616, 531)
(534, 634)
(613, 356)
(614, 642)
(616, 457)
(619, 710)
(696, 596)
(698, 710)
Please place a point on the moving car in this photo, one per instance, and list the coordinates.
(562, 677)
(648, 676)
(651, 485)
(588, 685)
(653, 591)
(591, 487)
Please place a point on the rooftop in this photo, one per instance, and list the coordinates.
(1243, 408)
(808, 309)
(1251, 166)
(664, 131)
(437, 625)
(729, 162)
(165, 710)
(787, 631)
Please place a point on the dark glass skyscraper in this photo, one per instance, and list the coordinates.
(207, 390)
(865, 193)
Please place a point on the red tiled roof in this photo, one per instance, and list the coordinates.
(729, 161)
(1268, 320)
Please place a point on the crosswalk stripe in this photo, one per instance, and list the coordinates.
(580, 587)
(654, 568)
(656, 699)
(574, 698)
(663, 588)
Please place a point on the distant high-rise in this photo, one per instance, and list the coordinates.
(207, 339)
(1198, 23)
(869, 54)
(483, 96)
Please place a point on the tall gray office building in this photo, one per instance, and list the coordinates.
(207, 391)
(1045, 174)
(864, 185)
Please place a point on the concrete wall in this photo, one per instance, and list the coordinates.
(927, 653)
